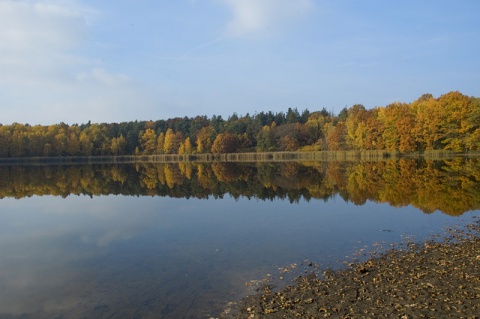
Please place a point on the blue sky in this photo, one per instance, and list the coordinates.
(110, 61)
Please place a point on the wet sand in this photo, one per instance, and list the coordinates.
(435, 279)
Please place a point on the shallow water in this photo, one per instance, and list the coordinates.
(120, 256)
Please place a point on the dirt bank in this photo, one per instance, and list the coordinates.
(436, 279)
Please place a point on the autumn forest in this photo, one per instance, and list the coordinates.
(449, 122)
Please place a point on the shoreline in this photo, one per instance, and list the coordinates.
(247, 157)
(423, 280)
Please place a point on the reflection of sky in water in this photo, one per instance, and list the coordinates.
(120, 256)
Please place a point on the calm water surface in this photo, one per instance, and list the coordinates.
(122, 256)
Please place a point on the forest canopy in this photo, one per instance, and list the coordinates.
(449, 122)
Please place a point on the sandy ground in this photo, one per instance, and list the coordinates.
(435, 279)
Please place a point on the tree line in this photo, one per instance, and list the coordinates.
(449, 186)
(450, 122)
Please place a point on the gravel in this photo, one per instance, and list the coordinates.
(435, 279)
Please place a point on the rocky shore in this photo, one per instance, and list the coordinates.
(435, 279)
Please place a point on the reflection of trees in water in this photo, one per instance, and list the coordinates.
(452, 187)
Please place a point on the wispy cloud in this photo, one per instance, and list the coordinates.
(45, 77)
(264, 17)
(36, 39)
(199, 47)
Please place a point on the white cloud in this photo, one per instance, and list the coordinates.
(28, 25)
(45, 76)
(261, 17)
(36, 39)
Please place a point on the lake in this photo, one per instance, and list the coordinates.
(182, 240)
